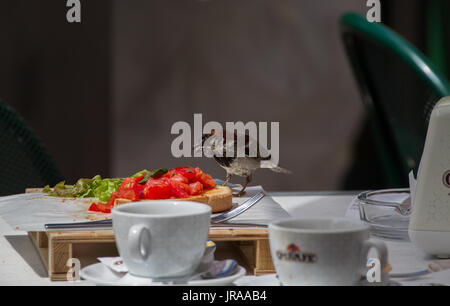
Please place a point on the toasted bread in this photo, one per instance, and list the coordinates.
(219, 198)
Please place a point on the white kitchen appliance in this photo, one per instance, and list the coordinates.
(429, 228)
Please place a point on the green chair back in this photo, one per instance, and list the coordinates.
(24, 161)
(399, 88)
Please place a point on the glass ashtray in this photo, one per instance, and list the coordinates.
(387, 212)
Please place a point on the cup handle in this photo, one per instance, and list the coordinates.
(138, 251)
(381, 249)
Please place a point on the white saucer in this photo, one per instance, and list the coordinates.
(264, 280)
(101, 275)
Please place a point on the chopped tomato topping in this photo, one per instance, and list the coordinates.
(196, 188)
(181, 182)
(130, 193)
(156, 189)
(179, 189)
(206, 180)
(180, 178)
(130, 188)
(187, 172)
(100, 207)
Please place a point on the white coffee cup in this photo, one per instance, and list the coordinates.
(161, 239)
(322, 252)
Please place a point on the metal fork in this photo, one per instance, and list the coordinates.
(238, 210)
(107, 224)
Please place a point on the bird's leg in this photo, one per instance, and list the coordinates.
(242, 192)
(227, 180)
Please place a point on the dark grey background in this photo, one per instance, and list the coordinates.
(235, 61)
(103, 94)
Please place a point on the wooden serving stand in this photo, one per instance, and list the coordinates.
(248, 246)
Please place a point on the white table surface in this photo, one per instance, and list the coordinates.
(20, 263)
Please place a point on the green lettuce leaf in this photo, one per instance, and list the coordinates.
(97, 187)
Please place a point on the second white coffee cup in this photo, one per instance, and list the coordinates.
(322, 252)
(161, 239)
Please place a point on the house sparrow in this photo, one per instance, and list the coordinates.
(215, 144)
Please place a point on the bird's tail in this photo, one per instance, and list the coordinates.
(268, 164)
(280, 170)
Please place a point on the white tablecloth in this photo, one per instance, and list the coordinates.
(20, 263)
